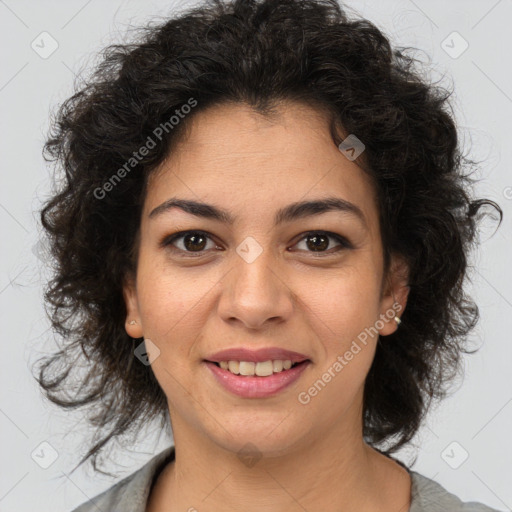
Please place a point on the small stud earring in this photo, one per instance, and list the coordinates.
(397, 320)
(133, 322)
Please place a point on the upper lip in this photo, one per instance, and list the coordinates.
(256, 356)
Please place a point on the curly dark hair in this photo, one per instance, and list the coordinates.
(258, 53)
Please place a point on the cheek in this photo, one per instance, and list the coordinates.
(171, 297)
(341, 314)
(174, 308)
(342, 305)
(173, 303)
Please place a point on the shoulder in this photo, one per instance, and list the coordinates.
(131, 493)
(429, 496)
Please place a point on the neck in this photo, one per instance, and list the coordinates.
(334, 472)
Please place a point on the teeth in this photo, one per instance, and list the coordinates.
(247, 368)
(233, 367)
(264, 369)
(261, 369)
(278, 366)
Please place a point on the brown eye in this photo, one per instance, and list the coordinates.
(319, 241)
(189, 241)
(194, 242)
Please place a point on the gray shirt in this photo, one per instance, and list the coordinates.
(131, 494)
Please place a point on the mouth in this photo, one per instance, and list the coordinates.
(257, 369)
(256, 380)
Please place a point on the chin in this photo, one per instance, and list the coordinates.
(259, 438)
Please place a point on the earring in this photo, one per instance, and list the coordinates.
(133, 322)
(397, 320)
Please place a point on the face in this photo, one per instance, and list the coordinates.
(309, 283)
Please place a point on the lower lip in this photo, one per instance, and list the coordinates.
(257, 387)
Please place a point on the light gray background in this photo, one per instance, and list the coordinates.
(478, 415)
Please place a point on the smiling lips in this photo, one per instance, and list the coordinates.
(256, 373)
(255, 356)
(263, 362)
(261, 369)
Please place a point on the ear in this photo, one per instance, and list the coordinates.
(132, 307)
(394, 295)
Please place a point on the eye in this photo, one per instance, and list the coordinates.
(189, 242)
(319, 241)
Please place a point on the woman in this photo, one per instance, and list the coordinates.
(262, 241)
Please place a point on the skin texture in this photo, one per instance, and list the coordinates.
(191, 307)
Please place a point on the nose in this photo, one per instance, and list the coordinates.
(256, 293)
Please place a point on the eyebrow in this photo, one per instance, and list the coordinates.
(291, 212)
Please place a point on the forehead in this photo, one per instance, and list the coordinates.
(235, 157)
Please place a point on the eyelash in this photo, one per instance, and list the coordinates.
(167, 242)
